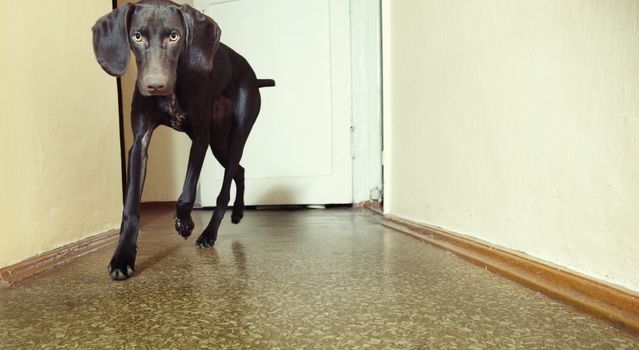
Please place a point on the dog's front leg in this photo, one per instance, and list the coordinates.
(122, 264)
(183, 221)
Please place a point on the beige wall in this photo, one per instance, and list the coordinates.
(59, 151)
(517, 122)
(169, 150)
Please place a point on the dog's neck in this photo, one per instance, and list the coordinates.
(171, 106)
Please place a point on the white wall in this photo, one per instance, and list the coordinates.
(517, 122)
(59, 142)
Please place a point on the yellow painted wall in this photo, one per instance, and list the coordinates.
(169, 150)
(59, 142)
(517, 122)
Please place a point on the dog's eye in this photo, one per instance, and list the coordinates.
(137, 36)
(174, 36)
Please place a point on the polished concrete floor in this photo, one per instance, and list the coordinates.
(311, 279)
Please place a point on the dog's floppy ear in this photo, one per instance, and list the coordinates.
(202, 39)
(111, 40)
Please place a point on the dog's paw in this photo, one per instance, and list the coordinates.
(122, 264)
(205, 241)
(238, 214)
(184, 227)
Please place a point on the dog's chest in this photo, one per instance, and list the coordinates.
(176, 116)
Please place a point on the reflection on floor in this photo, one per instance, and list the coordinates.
(324, 279)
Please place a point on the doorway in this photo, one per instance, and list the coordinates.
(318, 137)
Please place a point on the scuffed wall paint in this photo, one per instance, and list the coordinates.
(60, 144)
(517, 122)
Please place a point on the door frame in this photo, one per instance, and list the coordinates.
(366, 99)
(118, 82)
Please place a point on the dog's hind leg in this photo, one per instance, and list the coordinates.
(209, 236)
(245, 112)
(238, 205)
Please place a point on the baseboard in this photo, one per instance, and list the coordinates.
(613, 303)
(32, 266)
(374, 206)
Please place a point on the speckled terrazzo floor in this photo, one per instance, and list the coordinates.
(324, 279)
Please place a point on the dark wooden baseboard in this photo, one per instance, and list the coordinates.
(613, 303)
(32, 266)
(375, 207)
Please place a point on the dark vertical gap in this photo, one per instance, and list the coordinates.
(121, 124)
(114, 4)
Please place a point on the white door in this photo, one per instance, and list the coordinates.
(299, 151)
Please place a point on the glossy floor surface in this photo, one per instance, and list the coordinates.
(311, 279)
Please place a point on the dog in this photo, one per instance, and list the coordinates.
(189, 81)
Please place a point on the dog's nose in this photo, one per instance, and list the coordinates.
(155, 83)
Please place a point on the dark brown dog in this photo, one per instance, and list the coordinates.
(191, 82)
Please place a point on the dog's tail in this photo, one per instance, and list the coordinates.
(265, 83)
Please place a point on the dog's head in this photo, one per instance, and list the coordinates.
(162, 35)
